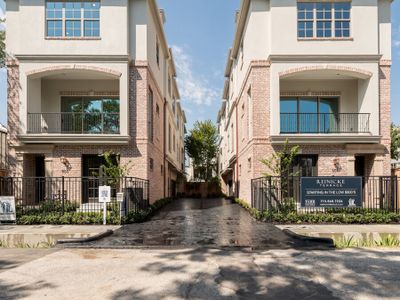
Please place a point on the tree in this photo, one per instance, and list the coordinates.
(112, 168)
(279, 164)
(2, 44)
(277, 190)
(202, 147)
(395, 142)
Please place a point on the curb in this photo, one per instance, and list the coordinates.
(86, 240)
(326, 241)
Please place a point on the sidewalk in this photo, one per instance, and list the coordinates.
(347, 231)
(46, 235)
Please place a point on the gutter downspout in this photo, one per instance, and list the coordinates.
(164, 145)
(237, 151)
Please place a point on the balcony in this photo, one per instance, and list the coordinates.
(74, 123)
(324, 123)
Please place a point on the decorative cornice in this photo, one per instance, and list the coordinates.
(73, 58)
(359, 73)
(310, 93)
(324, 58)
(74, 67)
(89, 93)
(385, 63)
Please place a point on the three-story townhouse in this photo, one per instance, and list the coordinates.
(87, 77)
(175, 124)
(315, 73)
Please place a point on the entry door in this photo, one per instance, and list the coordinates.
(40, 181)
(173, 188)
(359, 166)
(90, 172)
(303, 166)
(92, 175)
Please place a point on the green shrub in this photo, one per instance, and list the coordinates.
(36, 216)
(290, 216)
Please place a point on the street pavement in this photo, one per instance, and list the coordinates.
(204, 273)
(200, 249)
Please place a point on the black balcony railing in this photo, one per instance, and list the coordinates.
(74, 123)
(324, 123)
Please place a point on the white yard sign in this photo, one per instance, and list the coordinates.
(7, 209)
(104, 194)
(104, 197)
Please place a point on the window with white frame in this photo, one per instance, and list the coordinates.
(323, 19)
(157, 52)
(71, 19)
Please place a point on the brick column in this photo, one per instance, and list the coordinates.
(48, 165)
(13, 87)
(385, 113)
(351, 160)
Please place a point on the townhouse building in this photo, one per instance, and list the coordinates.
(315, 73)
(87, 77)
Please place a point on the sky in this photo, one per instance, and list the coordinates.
(201, 33)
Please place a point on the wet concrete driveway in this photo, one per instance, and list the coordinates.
(202, 223)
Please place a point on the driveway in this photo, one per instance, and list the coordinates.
(202, 223)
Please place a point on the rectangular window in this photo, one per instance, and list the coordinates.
(71, 19)
(305, 165)
(157, 52)
(169, 86)
(323, 19)
(150, 116)
(342, 19)
(169, 138)
(151, 163)
(249, 115)
(305, 15)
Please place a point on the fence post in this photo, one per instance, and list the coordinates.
(62, 194)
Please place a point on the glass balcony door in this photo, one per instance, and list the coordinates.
(90, 115)
(309, 114)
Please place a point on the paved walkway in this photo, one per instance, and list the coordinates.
(370, 231)
(199, 223)
(35, 235)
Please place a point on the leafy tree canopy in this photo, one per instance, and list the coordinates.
(202, 147)
(2, 44)
(395, 141)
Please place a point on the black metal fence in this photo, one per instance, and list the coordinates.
(275, 193)
(74, 194)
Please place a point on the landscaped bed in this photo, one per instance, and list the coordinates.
(68, 215)
(356, 216)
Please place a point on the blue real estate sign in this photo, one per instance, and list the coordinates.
(326, 192)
